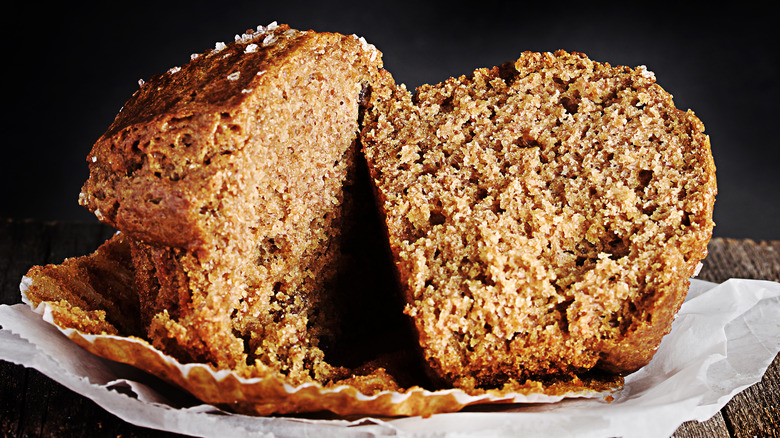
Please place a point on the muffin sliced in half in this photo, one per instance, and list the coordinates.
(544, 215)
(231, 175)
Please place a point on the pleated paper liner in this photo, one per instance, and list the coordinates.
(76, 296)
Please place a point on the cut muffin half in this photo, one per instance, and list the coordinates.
(231, 176)
(544, 215)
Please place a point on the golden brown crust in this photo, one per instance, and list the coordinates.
(155, 171)
(229, 174)
(544, 215)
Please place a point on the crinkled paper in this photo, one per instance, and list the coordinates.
(724, 338)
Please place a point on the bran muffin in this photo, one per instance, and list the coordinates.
(230, 177)
(544, 216)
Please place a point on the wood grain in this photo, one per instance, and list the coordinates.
(31, 404)
(753, 412)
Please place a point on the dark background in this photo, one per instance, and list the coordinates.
(69, 67)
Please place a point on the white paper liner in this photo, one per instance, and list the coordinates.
(723, 340)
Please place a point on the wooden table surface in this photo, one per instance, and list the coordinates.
(33, 405)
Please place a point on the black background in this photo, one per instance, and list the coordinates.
(69, 67)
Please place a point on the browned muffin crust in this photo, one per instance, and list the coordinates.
(155, 171)
(228, 174)
(544, 215)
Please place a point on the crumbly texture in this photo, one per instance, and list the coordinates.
(92, 293)
(95, 295)
(228, 174)
(544, 215)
